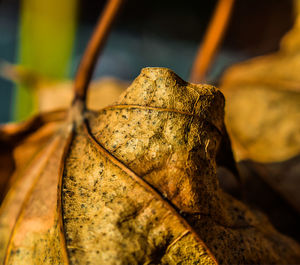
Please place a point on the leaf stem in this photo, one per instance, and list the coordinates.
(95, 46)
(212, 40)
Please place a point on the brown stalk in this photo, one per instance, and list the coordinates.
(212, 40)
(94, 48)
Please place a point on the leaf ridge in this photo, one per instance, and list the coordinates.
(146, 185)
(133, 106)
(59, 196)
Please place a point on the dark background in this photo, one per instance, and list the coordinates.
(159, 33)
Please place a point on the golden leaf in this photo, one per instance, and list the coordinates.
(263, 96)
(262, 117)
(20, 142)
(135, 183)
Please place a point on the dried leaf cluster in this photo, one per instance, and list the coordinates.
(135, 183)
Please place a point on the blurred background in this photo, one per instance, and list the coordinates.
(48, 38)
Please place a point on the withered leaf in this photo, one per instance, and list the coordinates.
(263, 96)
(274, 189)
(135, 183)
(20, 142)
(262, 117)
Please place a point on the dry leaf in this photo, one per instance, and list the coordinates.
(262, 117)
(135, 183)
(270, 188)
(263, 102)
(276, 191)
(20, 142)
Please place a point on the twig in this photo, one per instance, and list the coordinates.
(212, 40)
(93, 49)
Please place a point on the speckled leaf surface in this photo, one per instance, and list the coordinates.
(135, 183)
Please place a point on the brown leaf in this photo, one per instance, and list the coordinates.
(20, 142)
(263, 96)
(262, 117)
(135, 183)
(274, 188)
